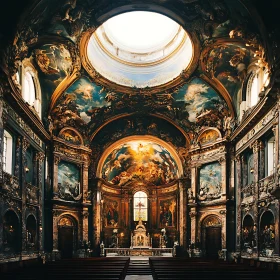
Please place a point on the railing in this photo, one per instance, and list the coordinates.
(139, 252)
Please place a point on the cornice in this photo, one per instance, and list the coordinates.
(251, 120)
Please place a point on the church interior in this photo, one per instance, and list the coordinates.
(139, 127)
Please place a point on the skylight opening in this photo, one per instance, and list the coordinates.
(141, 31)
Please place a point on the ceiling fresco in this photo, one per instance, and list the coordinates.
(85, 105)
(54, 63)
(198, 103)
(139, 125)
(228, 63)
(80, 103)
(140, 162)
(208, 94)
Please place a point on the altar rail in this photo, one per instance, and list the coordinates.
(164, 252)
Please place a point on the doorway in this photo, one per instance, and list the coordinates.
(65, 244)
(66, 237)
(211, 236)
(213, 242)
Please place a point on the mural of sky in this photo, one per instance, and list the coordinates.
(80, 103)
(210, 181)
(197, 101)
(140, 161)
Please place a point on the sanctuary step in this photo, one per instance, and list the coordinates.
(139, 267)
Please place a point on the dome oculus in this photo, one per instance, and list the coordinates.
(140, 49)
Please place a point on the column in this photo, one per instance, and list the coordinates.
(97, 210)
(55, 175)
(238, 161)
(25, 146)
(261, 161)
(222, 162)
(1, 163)
(40, 157)
(1, 132)
(55, 231)
(256, 148)
(193, 216)
(85, 213)
(183, 213)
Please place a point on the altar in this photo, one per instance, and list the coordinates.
(139, 238)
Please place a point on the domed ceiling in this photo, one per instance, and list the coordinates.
(186, 67)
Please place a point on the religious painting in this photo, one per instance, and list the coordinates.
(198, 103)
(167, 213)
(140, 161)
(80, 104)
(208, 136)
(111, 213)
(232, 73)
(55, 63)
(70, 136)
(69, 181)
(210, 182)
(53, 59)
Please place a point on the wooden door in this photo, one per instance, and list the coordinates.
(65, 241)
(213, 242)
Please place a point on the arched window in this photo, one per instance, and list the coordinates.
(31, 91)
(254, 91)
(7, 152)
(257, 81)
(140, 203)
(270, 156)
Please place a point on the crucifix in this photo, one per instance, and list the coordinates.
(139, 205)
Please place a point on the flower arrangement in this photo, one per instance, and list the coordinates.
(115, 230)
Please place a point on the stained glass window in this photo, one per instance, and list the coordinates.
(140, 205)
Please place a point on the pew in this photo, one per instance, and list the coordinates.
(199, 269)
(71, 269)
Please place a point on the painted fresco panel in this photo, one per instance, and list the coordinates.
(55, 63)
(232, 73)
(198, 103)
(208, 136)
(167, 213)
(80, 104)
(111, 213)
(69, 181)
(210, 182)
(140, 161)
(71, 136)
